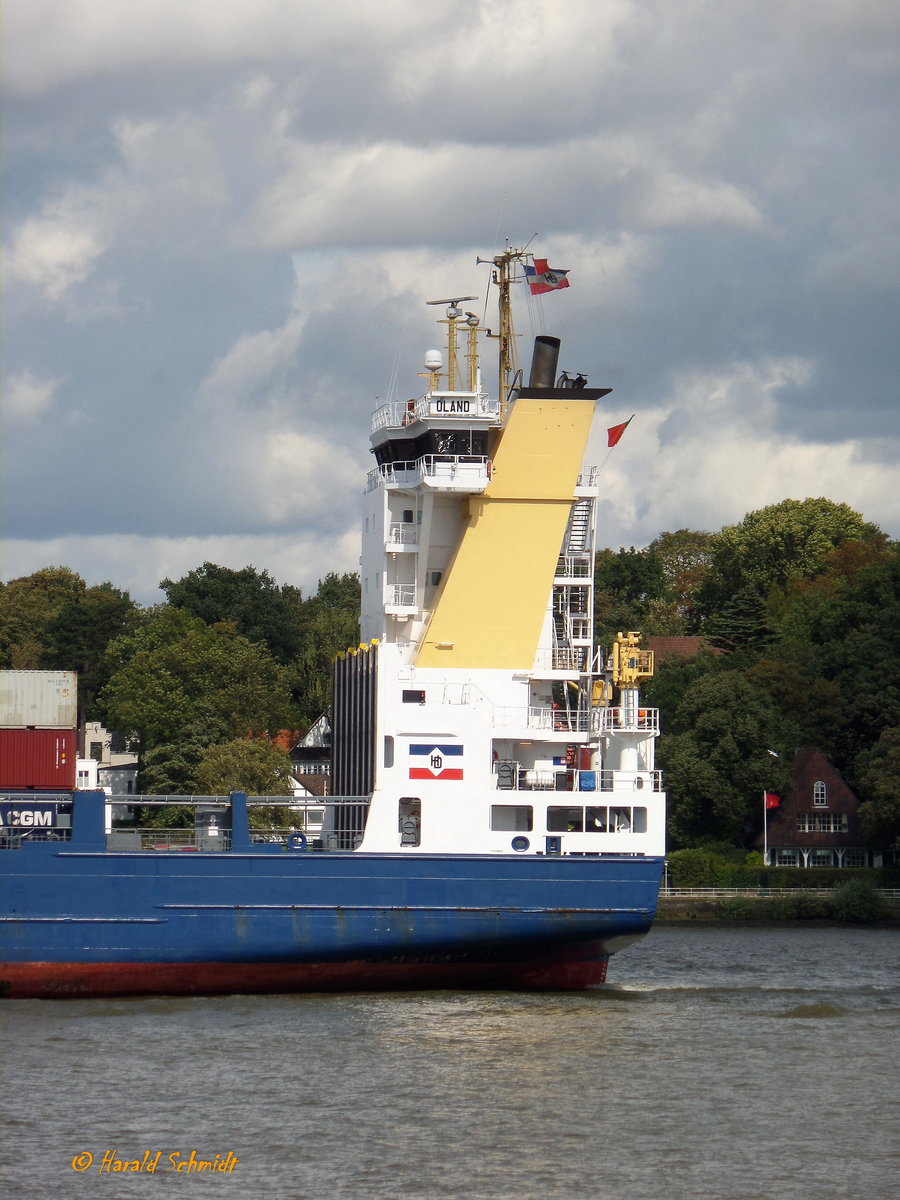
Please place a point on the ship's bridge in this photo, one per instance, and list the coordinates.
(475, 408)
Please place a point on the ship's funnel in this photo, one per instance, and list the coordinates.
(543, 364)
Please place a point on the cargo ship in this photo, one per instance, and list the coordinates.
(495, 816)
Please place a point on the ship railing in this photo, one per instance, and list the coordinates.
(400, 595)
(610, 781)
(572, 660)
(160, 838)
(574, 566)
(319, 823)
(13, 838)
(461, 472)
(437, 406)
(629, 720)
(554, 719)
(513, 776)
(587, 477)
(34, 817)
(293, 822)
(403, 533)
(456, 472)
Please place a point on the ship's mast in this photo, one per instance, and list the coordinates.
(503, 277)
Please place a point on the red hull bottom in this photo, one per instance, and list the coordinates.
(58, 981)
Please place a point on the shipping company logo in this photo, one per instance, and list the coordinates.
(27, 818)
(435, 762)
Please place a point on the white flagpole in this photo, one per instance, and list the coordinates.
(765, 831)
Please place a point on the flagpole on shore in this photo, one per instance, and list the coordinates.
(765, 830)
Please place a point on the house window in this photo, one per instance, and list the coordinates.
(786, 858)
(854, 858)
(821, 858)
(820, 794)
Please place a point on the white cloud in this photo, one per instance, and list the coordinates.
(54, 251)
(137, 564)
(28, 397)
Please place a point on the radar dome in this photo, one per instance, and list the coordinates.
(434, 360)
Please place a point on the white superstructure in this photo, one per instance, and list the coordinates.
(477, 714)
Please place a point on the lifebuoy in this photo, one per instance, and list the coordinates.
(297, 841)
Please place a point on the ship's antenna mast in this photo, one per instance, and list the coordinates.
(502, 277)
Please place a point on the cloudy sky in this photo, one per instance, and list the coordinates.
(223, 217)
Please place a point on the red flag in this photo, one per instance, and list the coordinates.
(615, 432)
(772, 801)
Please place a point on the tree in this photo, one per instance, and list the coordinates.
(77, 636)
(685, 558)
(717, 762)
(778, 544)
(879, 782)
(741, 623)
(176, 679)
(630, 593)
(27, 606)
(254, 766)
(260, 610)
(330, 623)
(170, 769)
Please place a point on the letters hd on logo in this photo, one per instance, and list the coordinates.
(434, 757)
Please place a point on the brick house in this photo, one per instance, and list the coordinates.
(817, 823)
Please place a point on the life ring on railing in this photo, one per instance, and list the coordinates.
(297, 841)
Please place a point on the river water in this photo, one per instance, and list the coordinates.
(718, 1062)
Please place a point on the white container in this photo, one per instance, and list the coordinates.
(38, 699)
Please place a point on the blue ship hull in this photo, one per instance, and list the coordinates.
(81, 920)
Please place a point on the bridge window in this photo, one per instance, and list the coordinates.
(518, 818)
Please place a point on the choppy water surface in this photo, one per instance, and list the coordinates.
(719, 1063)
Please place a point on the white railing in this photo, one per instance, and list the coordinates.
(455, 472)
(403, 533)
(437, 406)
(612, 720)
(574, 566)
(400, 595)
(605, 781)
(549, 719)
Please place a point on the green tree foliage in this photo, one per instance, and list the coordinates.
(27, 607)
(685, 558)
(77, 636)
(176, 679)
(254, 766)
(879, 781)
(717, 762)
(170, 769)
(741, 623)
(330, 624)
(260, 610)
(804, 699)
(630, 593)
(778, 544)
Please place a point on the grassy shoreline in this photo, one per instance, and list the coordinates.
(765, 910)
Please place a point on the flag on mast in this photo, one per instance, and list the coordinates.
(614, 433)
(542, 278)
(772, 801)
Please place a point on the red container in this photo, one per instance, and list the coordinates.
(43, 759)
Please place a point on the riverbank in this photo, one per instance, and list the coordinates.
(778, 907)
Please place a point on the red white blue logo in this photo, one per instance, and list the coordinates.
(435, 762)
